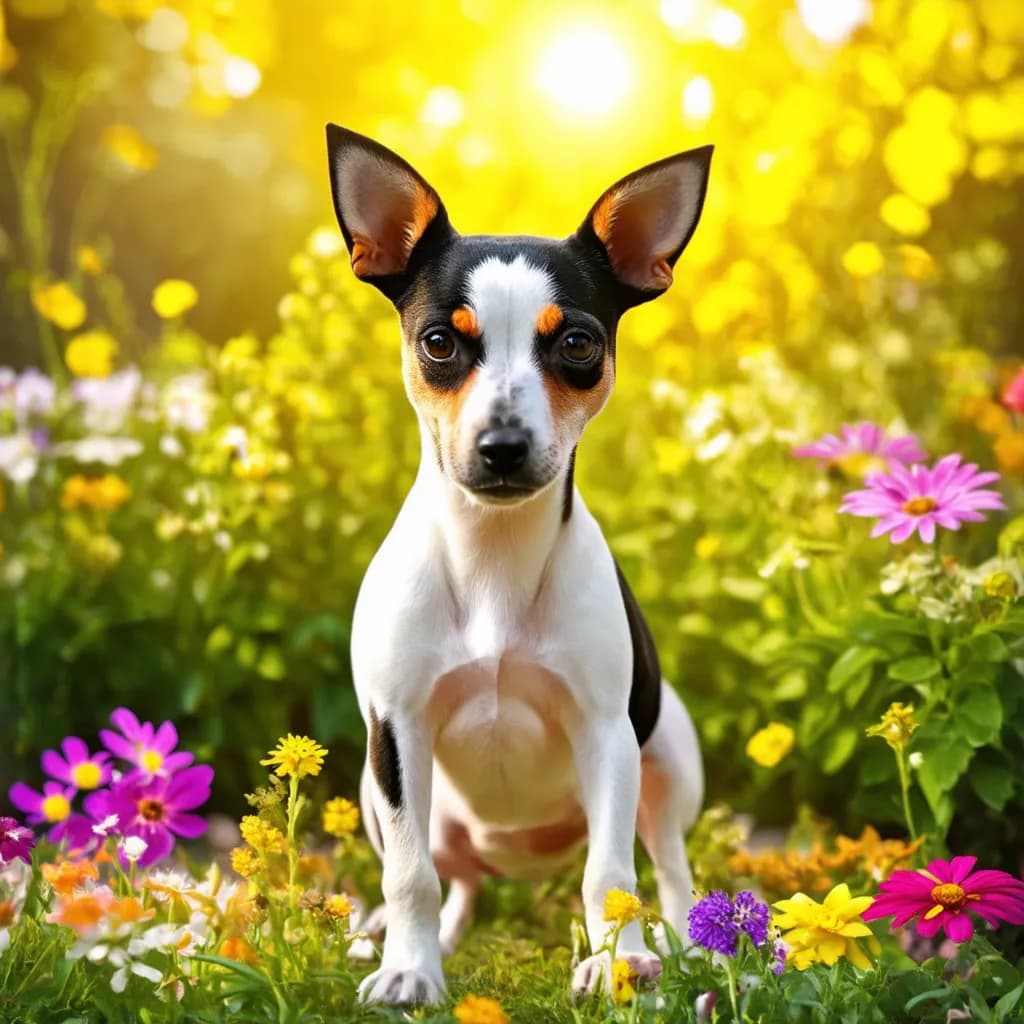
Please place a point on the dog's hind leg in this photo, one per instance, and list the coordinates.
(671, 791)
(457, 911)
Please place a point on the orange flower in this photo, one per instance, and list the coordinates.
(67, 876)
(81, 912)
(236, 948)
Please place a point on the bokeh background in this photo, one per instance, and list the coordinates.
(193, 483)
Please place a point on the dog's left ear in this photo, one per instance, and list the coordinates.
(644, 221)
(390, 217)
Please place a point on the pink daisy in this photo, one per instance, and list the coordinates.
(53, 807)
(16, 841)
(150, 750)
(77, 767)
(910, 498)
(863, 447)
(943, 893)
(1013, 393)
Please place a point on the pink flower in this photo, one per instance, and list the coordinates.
(53, 807)
(944, 892)
(150, 750)
(1013, 393)
(15, 841)
(77, 767)
(863, 447)
(910, 498)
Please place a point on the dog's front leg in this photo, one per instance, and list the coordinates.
(401, 761)
(607, 761)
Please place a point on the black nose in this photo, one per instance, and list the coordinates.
(503, 449)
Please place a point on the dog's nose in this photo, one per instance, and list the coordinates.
(503, 449)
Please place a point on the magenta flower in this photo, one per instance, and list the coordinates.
(943, 893)
(863, 447)
(1013, 393)
(53, 807)
(16, 841)
(150, 750)
(910, 498)
(155, 808)
(77, 767)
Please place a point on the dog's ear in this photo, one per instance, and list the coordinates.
(390, 217)
(644, 221)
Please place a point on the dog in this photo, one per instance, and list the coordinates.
(511, 688)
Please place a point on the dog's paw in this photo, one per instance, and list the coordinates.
(401, 988)
(594, 974)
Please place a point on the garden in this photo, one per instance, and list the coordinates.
(811, 471)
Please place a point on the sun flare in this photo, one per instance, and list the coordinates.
(585, 71)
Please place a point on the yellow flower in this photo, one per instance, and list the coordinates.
(245, 862)
(89, 260)
(173, 297)
(341, 817)
(905, 216)
(236, 948)
(1009, 452)
(104, 493)
(1000, 584)
(296, 756)
(896, 726)
(338, 907)
(479, 1010)
(863, 259)
(621, 907)
(262, 836)
(58, 303)
(916, 263)
(707, 546)
(827, 931)
(91, 354)
(768, 746)
(125, 143)
(622, 983)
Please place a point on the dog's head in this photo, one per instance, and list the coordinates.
(509, 341)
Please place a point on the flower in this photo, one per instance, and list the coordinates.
(19, 458)
(942, 894)
(863, 259)
(174, 297)
(77, 767)
(52, 807)
(768, 746)
(111, 451)
(897, 725)
(863, 447)
(127, 145)
(245, 862)
(904, 215)
(1013, 394)
(68, 875)
(918, 498)
(133, 847)
(1009, 453)
(89, 260)
(341, 817)
(104, 493)
(91, 354)
(716, 921)
(150, 750)
(33, 394)
(338, 907)
(1001, 585)
(296, 756)
(623, 976)
(107, 401)
(827, 931)
(621, 907)
(479, 1010)
(16, 841)
(58, 303)
(236, 948)
(262, 836)
(156, 808)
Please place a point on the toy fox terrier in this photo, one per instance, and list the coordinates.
(509, 682)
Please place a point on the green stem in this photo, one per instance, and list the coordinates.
(732, 989)
(901, 765)
(293, 799)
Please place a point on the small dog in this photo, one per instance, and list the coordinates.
(509, 682)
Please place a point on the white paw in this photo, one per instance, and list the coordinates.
(594, 973)
(362, 948)
(401, 988)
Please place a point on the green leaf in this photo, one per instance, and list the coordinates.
(853, 662)
(979, 716)
(1008, 1003)
(988, 646)
(840, 749)
(915, 670)
(944, 762)
(993, 783)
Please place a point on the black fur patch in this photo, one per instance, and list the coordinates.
(645, 693)
(384, 761)
(567, 493)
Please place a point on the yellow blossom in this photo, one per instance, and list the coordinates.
(1009, 453)
(622, 982)
(1000, 584)
(896, 726)
(128, 146)
(707, 546)
(905, 216)
(236, 948)
(479, 1010)
(104, 493)
(339, 907)
(262, 836)
(863, 259)
(621, 907)
(341, 817)
(916, 263)
(58, 303)
(245, 862)
(827, 931)
(768, 746)
(296, 756)
(89, 260)
(91, 354)
(174, 297)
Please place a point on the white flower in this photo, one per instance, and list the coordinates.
(236, 438)
(133, 847)
(107, 401)
(168, 878)
(19, 458)
(34, 394)
(102, 828)
(915, 760)
(171, 446)
(111, 451)
(186, 402)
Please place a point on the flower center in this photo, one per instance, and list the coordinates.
(56, 807)
(152, 761)
(919, 506)
(949, 895)
(829, 921)
(859, 464)
(151, 810)
(86, 775)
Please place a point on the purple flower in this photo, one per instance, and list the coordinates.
(752, 916)
(863, 447)
(77, 767)
(150, 750)
(34, 395)
(779, 958)
(918, 498)
(716, 921)
(16, 841)
(155, 808)
(53, 807)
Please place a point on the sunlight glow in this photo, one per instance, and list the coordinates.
(727, 28)
(698, 98)
(241, 77)
(586, 72)
(832, 21)
(443, 107)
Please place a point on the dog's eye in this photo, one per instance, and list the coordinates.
(439, 344)
(578, 347)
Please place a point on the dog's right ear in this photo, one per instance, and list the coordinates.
(390, 217)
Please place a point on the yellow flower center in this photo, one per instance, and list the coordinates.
(56, 807)
(949, 895)
(152, 760)
(86, 775)
(919, 506)
(857, 465)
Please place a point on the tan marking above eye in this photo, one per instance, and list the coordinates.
(465, 322)
(549, 319)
